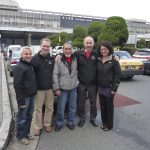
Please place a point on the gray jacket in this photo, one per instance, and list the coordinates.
(65, 76)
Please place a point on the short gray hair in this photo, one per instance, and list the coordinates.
(24, 48)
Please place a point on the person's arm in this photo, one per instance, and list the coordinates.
(18, 79)
(56, 73)
(117, 76)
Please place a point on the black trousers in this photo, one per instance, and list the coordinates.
(86, 92)
(107, 110)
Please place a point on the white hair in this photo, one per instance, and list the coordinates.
(24, 48)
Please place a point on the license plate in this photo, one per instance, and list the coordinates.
(130, 67)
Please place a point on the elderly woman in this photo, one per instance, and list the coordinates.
(108, 80)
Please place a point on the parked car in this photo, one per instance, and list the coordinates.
(75, 49)
(56, 50)
(5, 53)
(129, 66)
(12, 48)
(144, 55)
(12, 61)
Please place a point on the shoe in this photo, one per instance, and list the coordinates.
(30, 137)
(23, 141)
(71, 127)
(103, 126)
(93, 123)
(48, 129)
(107, 129)
(58, 128)
(37, 132)
(81, 123)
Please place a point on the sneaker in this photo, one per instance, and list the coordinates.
(23, 141)
(30, 137)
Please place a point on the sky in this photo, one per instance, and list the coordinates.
(128, 9)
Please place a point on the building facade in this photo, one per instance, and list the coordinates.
(19, 26)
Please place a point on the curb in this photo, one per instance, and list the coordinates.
(7, 116)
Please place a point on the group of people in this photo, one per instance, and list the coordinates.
(73, 78)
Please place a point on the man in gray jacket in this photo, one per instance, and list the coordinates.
(65, 78)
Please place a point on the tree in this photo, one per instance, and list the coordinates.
(141, 43)
(54, 39)
(78, 42)
(59, 39)
(94, 29)
(148, 44)
(115, 30)
(79, 31)
(63, 37)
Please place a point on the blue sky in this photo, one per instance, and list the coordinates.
(104, 8)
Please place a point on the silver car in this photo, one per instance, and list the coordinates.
(12, 61)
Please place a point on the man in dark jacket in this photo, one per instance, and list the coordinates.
(25, 88)
(87, 73)
(43, 65)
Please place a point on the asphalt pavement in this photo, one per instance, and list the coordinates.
(131, 124)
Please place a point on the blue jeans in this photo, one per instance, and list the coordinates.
(70, 97)
(24, 118)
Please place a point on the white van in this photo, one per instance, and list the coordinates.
(12, 48)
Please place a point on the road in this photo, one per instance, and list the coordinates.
(131, 130)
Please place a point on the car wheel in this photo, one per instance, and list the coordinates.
(11, 73)
(130, 77)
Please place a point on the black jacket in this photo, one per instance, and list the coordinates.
(109, 74)
(24, 81)
(43, 67)
(87, 69)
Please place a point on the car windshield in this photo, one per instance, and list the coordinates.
(142, 53)
(122, 55)
(16, 54)
(15, 48)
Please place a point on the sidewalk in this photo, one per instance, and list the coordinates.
(5, 113)
(13, 144)
(1, 91)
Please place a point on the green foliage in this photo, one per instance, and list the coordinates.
(141, 43)
(78, 42)
(148, 44)
(94, 29)
(115, 30)
(59, 39)
(79, 31)
(54, 39)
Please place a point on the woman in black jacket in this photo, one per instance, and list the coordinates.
(108, 80)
